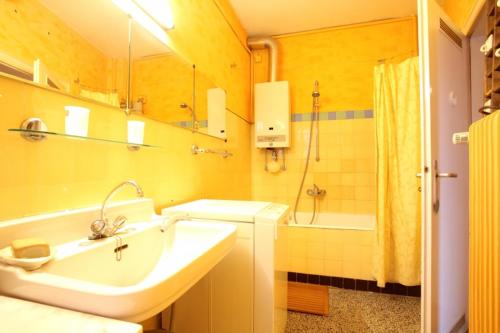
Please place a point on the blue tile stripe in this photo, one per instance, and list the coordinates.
(189, 124)
(334, 115)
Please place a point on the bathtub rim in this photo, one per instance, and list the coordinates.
(372, 217)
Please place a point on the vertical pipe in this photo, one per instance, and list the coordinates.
(317, 136)
(194, 126)
(316, 115)
(273, 53)
(129, 80)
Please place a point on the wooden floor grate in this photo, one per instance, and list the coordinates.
(304, 297)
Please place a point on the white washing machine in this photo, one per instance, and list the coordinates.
(247, 291)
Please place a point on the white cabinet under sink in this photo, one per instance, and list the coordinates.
(246, 291)
(232, 285)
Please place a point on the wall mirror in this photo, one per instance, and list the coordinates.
(93, 50)
(67, 47)
(167, 88)
(162, 82)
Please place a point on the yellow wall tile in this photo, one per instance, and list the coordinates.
(348, 206)
(334, 252)
(315, 250)
(315, 266)
(365, 207)
(298, 250)
(334, 205)
(352, 269)
(334, 268)
(298, 265)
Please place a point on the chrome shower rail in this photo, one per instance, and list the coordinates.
(197, 150)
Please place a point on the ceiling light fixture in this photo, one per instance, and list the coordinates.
(159, 10)
(144, 13)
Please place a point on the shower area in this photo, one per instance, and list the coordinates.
(349, 225)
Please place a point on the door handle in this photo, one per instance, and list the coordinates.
(447, 175)
(436, 187)
(419, 175)
(441, 175)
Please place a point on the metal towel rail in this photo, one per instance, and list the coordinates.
(197, 150)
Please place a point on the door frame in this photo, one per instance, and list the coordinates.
(427, 51)
(426, 170)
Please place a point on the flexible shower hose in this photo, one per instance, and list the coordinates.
(314, 116)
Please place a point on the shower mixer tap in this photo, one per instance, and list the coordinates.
(316, 191)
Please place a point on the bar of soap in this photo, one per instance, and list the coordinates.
(30, 248)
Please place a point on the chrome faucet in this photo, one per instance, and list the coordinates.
(101, 228)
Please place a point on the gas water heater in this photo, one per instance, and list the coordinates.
(272, 115)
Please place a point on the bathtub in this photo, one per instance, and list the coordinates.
(336, 244)
(334, 221)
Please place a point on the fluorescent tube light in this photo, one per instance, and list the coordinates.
(148, 22)
(159, 10)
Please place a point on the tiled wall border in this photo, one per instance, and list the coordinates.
(334, 115)
(354, 284)
(296, 117)
(189, 124)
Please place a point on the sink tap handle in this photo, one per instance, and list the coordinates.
(119, 222)
(97, 226)
(110, 230)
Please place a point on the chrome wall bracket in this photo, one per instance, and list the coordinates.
(195, 150)
(133, 147)
(31, 127)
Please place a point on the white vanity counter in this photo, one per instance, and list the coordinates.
(18, 316)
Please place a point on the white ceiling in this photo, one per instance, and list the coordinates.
(105, 26)
(276, 17)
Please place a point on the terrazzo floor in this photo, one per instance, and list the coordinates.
(360, 312)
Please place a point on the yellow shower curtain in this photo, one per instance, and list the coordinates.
(397, 119)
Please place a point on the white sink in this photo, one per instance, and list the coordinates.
(158, 265)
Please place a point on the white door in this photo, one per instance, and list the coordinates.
(445, 110)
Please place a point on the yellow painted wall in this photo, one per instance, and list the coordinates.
(164, 82)
(228, 11)
(342, 60)
(62, 174)
(459, 10)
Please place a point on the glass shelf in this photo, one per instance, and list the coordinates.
(47, 133)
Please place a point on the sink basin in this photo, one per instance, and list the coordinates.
(157, 263)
